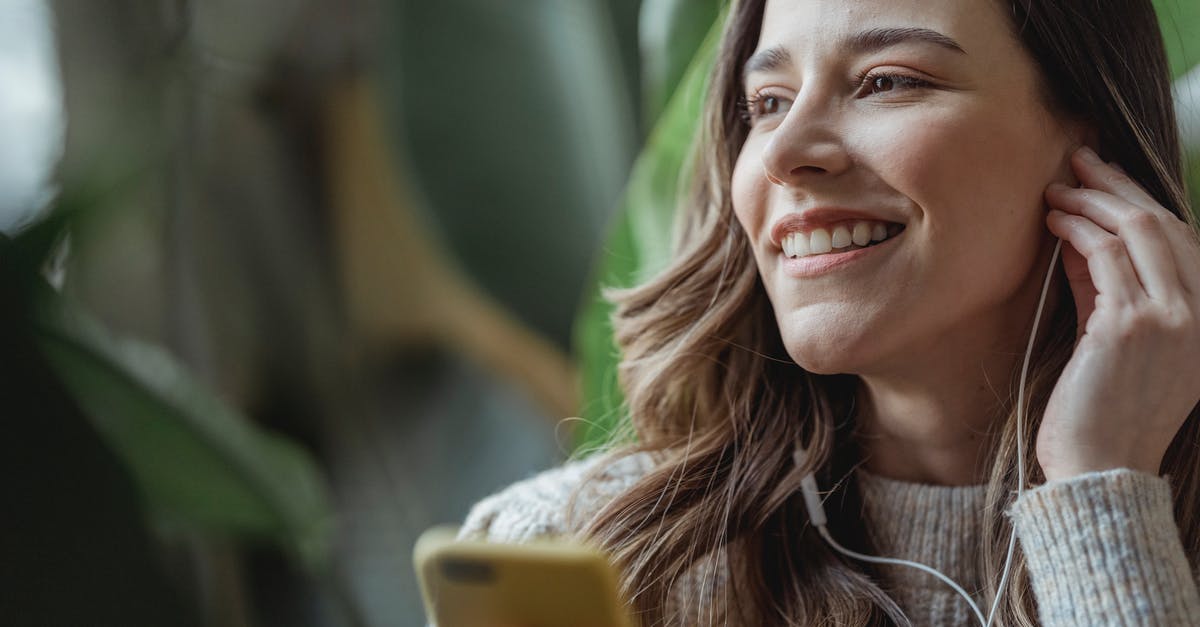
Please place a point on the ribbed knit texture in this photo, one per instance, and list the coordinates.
(1103, 548)
(935, 526)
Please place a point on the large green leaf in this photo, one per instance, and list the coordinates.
(639, 243)
(1180, 21)
(545, 141)
(669, 33)
(196, 460)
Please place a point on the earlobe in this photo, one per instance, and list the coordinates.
(1092, 139)
(1079, 134)
(1085, 134)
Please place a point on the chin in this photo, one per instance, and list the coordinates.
(831, 351)
(832, 341)
(820, 365)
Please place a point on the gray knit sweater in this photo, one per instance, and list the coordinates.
(1103, 548)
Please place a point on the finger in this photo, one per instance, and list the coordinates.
(1094, 173)
(1080, 281)
(1143, 233)
(1185, 245)
(1108, 263)
(1110, 177)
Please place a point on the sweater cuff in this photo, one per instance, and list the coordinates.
(1103, 549)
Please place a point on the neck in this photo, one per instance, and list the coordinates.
(925, 437)
(936, 421)
(933, 415)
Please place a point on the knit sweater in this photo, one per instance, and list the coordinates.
(1103, 548)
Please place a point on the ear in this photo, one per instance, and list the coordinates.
(1078, 133)
(1091, 138)
(1083, 133)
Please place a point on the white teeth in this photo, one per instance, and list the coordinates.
(802, 247)
(841, 237)
(819, 242)
(862, 233)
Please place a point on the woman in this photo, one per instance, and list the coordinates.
(880, 190)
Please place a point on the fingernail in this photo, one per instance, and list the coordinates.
(1116, 166)
(1089, 155)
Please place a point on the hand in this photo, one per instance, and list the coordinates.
(1134, 271)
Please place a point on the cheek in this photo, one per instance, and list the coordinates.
(976, 179)
(980, 167)
(749, 189)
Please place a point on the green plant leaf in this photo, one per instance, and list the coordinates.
(593, 338)
(669, 33)
(1180, 23)
(196, 460)
(639, 244)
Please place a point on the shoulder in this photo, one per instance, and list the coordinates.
(536, 508)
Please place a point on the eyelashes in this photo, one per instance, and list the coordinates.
(764, 104)
(749, 106)
(888, 81)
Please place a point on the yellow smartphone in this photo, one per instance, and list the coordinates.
(541, 584)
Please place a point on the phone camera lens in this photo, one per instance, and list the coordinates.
(467, 571)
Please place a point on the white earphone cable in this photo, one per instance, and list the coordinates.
(1037, 318)
(816, 511)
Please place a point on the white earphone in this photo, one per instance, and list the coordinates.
(816, 512)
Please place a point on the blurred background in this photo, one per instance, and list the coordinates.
(284, 283)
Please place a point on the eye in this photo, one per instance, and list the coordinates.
(882, 82)
(761, 105)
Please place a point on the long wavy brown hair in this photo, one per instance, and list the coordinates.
(712, 393)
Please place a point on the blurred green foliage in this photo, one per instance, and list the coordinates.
(1180, 22)
(518, 124)
(194, 462)
(639, 243)
(669, 32)
(197, 461)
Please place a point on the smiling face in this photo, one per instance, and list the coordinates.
(921, 123)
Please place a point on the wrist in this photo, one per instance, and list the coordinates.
(1065, 470)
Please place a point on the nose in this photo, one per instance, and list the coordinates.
(807, 145)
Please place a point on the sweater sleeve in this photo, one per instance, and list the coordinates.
(1103, 550)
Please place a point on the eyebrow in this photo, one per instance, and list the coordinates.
(862, 42)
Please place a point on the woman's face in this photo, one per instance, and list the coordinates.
(918, 121)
